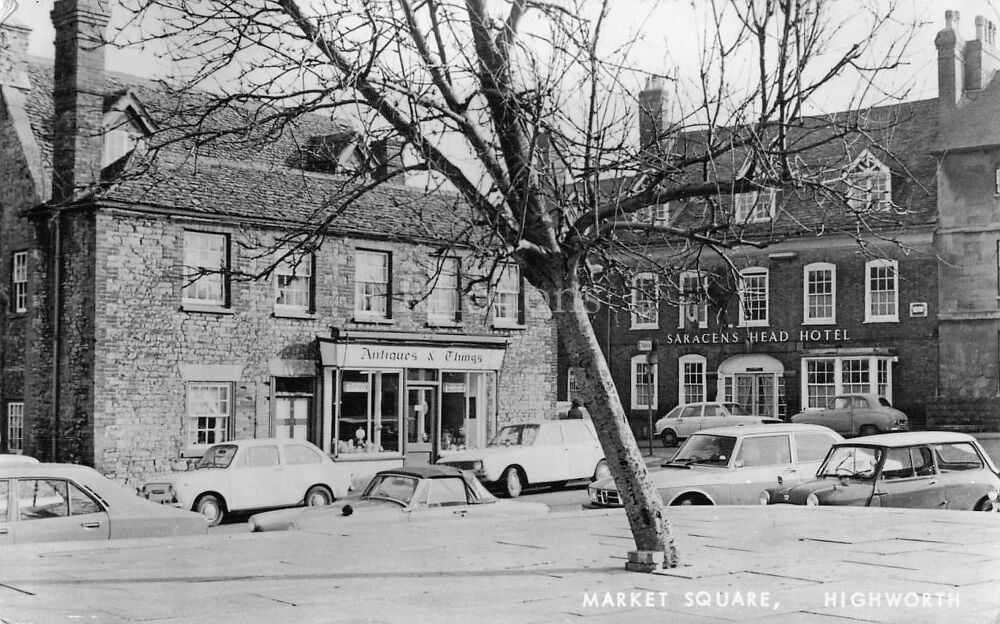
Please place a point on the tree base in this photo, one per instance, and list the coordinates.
(644, 560)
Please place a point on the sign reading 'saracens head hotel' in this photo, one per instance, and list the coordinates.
(757, 335)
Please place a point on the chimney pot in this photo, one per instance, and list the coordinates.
(980, 28)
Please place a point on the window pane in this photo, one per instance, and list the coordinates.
(882, 290)
(754, 297)
(262, 456)
(297, 455)
(42, 498)
(15, 426)
(765, 451)
(446, 492)
(821, 382)
(371, 283)
(819, 293)
(855, 376)
(957, 456)
(293, 281)
(443, 300)
(644, 300)
(81, 503)
(208, 412)
(812, 447)
(204, 263)
(897, 464)
(4, 498)
(693, 379)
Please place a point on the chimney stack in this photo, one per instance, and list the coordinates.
(78, 95)
(981, 59)
(13, 55)
(951, 63)
(654, 125)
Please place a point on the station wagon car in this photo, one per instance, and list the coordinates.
(856, 415)
(729, 465)
(551, 451)
(42, 502)
(684, 420)
(927, 469)
(424, 493)
(246, 475)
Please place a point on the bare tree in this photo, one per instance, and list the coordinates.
(526, 107)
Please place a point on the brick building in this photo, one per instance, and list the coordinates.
(905, 307)
(130, 341)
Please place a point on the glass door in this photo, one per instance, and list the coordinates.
(422, 424)
(756, 393)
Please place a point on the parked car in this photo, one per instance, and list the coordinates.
(56, 502)
(684, 420)
(403, 495)
(13, 460)
(729, 465)
(926, 469)
(246, 475)
(551, 451)
(856, 415)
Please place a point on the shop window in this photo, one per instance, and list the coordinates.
(372, 284)
(869, 184)
(881, 291)
(693, 298)
(691, 379)
(825, 378)
(293, 283)
(753, 207)
(643, 383)
(819, 286)
(444, 303)
(206, 269)
(508, 297)
(644, 301)
(19, 282)
(753, 298)
(15, 426)
(370, 415)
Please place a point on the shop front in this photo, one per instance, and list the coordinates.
(396, 398)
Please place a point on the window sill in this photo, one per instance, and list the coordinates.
(645, 326)
(503, 325)
(443, 323)
(24, 314)
(820, 322)
(294, 314)
(367, 456)
(881, 320)
(756, 325)
(206, 308)
(373, 320)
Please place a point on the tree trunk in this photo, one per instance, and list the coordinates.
(643, 506)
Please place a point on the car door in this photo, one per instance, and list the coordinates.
(810, 447)
(259, 479)
(962, 473)
(837, 416)
(303, 468)
(548, 457)
(7, 510)
(908, 479)
(712, 416)
(760, 460)
(584, 450)
(689, 420)
(52, 509)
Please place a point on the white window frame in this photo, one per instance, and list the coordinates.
(996, 188)
(507, 295)
(212, 287)
(637, 362)
(744, 298)
(444, 300)
(807, 272)
(372, 297)
(296, 270)
(643, 321)
(19, 282)
(120, 137)
(224, 412)
(682, 385)
(879, 371)
(15, 426)
(571, 384)
(881, 263)
(754, 207)
(692, 310)
(869, 183)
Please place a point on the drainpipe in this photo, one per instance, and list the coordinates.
(56, 330)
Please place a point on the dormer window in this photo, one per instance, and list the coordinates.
(869, 184)
(125, 125)
(754, 207)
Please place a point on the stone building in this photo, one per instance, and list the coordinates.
(905, 307)
(134, 335)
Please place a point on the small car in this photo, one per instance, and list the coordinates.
(41, 502)
(729, 465)
(246, 475)
(547, 452)
(684, 420)
(926, 469)
(856, 415)
(402, 495)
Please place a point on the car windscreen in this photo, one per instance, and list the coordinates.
(513, 435)
(707, 449)
(855, 462)
(217, 457)
(737, 410)
(399, 488)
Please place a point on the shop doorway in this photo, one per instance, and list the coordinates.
(422, 424)
(292, 407)
(756, 382)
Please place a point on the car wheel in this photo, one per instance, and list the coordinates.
(317, 496)
(603, 471)
(513, 482)
(690, 499)
(669, 438)
(868, 430)
(984, 505)
(210, 506)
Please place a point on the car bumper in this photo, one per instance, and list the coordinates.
(604, 499)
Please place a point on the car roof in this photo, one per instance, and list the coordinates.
(39, 469)
(910, 438)
(263, 442)
(424, 472)
(742, 430)
(697, 403)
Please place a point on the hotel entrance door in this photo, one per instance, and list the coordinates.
(422, 424)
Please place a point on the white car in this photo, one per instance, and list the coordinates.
(245, 475)
(684, 420)
(731, 465)
(551, 451)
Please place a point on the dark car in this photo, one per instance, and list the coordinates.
(928, 469)
(856, 415)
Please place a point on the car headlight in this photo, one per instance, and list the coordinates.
(993, 494)
(764, 498)
(592, 493)
(477, 465)
(812, 500)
